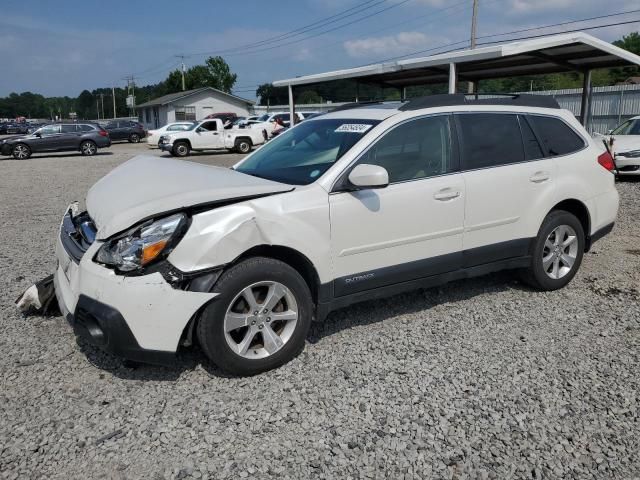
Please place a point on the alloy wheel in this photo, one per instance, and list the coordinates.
(88, 148)
(260, 320)
(560, 251)
(21, 152)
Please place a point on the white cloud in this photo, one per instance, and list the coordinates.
(403, 42)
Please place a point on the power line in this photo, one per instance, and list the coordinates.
(521, 31)
(259, 50)
(299, 31)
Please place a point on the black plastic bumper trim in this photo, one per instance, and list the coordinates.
(106, 328)
(598, 234)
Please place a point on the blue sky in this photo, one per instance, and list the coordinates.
(62, 47)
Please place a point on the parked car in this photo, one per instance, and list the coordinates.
(86, 138)
(357, 204)
(270, 122)
(209, 135)
(133, 132)
(626, 146)
(153, 136)
(224, 116)
(12, 128)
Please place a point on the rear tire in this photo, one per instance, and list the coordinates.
(260, 319)
(134, 138)
(21, 151)
(88, 148)
(556, 253)
(180, 149)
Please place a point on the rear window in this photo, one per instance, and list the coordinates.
(490, 139)
(556, 136)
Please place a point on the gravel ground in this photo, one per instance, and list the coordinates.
(481, 378)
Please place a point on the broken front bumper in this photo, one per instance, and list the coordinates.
(136, 317)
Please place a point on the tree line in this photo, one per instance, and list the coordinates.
(215, 72)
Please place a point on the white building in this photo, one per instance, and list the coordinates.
(191, 105)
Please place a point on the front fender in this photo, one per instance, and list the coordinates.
(295, 220)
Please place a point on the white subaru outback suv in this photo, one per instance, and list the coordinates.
(359, 203)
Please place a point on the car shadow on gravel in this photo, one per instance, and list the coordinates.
(414, 301)
(361, 314)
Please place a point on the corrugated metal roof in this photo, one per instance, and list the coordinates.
(550, 54)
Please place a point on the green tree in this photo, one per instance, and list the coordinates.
(220, 75)
(309, 96)
(270, 95)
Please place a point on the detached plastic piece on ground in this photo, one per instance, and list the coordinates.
(39, 299)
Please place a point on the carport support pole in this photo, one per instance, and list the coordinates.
(586, 98)
(453, 78)
(292, 107)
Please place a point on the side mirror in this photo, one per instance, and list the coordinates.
(37, 134)
(199, 130)
(369, 176)
(610, 131)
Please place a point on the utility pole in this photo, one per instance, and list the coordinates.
(98, 108)
(474, 21)
(113, 95)
(102, 101)
(131, 95)
(182, 57)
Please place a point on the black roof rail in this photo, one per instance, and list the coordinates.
(453, 99)
(348, 106)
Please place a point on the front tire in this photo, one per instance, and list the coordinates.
(88, 148)
(21, 151)
(557, 252)
(260, 319)
(180, 149)
(243, 146)
(134, 138)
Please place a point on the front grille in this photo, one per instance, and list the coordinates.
(77, 234)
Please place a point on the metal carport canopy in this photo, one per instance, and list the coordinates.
(550, 54)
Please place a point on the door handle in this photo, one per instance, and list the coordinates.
(539, 177)
(446, 194)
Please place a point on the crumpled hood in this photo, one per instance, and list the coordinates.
(147, 186)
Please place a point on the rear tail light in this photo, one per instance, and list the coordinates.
(103, 133)
(606, 160)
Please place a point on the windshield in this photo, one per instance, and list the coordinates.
(622, 129)
(301, 155)
(263, 118)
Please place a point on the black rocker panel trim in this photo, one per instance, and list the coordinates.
(429, 267)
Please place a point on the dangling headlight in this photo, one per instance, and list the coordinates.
(142, 244)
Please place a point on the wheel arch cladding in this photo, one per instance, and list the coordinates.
(581, 212)
(295, 259)
(185, 140)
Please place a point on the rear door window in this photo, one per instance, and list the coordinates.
(490, 139)
(556, 136)
(85, 128)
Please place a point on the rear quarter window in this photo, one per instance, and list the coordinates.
(557, 137)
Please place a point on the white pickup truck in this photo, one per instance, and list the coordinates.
(209, 134)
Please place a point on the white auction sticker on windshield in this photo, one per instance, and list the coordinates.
(353, 127)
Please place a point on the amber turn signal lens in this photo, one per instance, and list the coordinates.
(152, 251)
